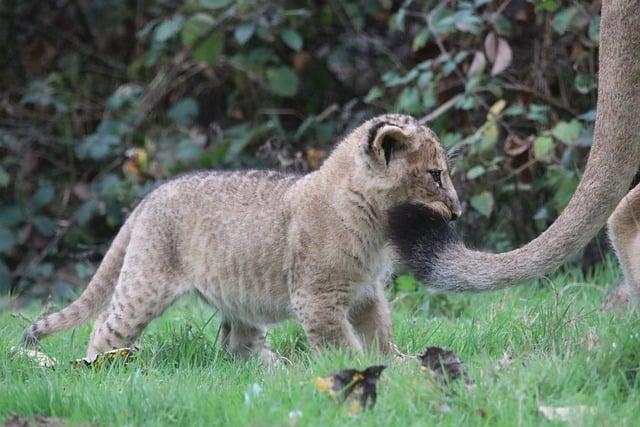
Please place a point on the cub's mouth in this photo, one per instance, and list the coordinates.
(442, 209)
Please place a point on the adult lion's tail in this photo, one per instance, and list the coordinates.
(614, 159)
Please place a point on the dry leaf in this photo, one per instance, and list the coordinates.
(41, 358)
(356, 388)
(491, 46)
(498, 53)
(443, 364)
(99, 359)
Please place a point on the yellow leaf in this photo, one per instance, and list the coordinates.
(354, 407)
(489, 136)
(496, 109)
(98, 359)
(42, 359)
(325, 385)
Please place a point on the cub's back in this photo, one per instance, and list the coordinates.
(213, 222)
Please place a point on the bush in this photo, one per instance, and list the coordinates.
(100, 100)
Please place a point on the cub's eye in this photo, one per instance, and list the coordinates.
(437, 177)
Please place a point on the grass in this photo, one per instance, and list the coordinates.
(565, 352)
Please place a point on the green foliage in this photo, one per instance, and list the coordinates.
(104, 99)
(282, 81)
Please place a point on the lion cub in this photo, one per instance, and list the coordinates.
(264, 246)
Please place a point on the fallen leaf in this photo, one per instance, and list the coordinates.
(570, 414)
(443, 364)
(99, 359)
(355, 388)
(41, 358)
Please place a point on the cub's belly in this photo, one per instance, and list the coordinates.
(257, 305)
(243, 277)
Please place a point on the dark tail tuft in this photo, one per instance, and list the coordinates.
(420, 235)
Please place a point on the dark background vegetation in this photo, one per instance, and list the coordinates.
(101, 99)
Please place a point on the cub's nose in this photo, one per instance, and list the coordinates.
(455, 209)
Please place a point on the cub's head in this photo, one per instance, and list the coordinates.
(405, 159)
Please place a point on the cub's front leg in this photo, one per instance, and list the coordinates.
(372, 320)
(323, 311)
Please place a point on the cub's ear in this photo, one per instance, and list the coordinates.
(385, 140)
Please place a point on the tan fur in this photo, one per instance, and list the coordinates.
(613, 161)
(624, 233)
(263, 246)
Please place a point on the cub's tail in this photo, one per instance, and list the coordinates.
(94, 297)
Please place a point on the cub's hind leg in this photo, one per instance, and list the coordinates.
(97, 325)
(244, 340)
(139, 297)
(624, 233)
(372, 321)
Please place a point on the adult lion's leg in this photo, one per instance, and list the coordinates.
(624, 233)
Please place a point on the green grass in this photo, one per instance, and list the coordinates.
(566, 352)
